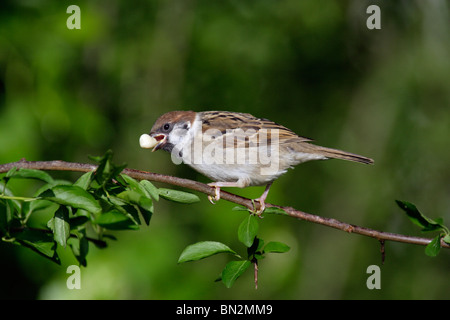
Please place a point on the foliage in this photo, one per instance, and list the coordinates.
(104, 200)
(427, 225)
(247, 234)
(82, 212)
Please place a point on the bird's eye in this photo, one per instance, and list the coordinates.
(166, 127)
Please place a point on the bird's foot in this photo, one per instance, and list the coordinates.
(258, 210)
(262, 202)
(216, 197)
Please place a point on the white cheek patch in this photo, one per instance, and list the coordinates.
(147, 142)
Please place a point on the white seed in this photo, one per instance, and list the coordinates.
(147, 142)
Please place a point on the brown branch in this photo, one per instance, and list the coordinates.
(204, 188)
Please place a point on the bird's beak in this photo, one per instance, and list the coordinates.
(161, 138)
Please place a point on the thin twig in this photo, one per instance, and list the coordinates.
(58, 165)
(382, 251)
(255, 264)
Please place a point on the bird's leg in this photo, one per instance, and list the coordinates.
(261, 200)
(218, 185)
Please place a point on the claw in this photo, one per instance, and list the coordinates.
(260, 210)
(262, 203)
(210, 198)
(216, 195)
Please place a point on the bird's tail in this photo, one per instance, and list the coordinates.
(337, 154)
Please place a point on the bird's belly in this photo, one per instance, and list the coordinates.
(255, 175)
(255, 166)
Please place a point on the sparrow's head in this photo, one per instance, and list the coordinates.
(171, 129)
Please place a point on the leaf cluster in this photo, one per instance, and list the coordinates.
(428, 225)
(247, 235)
(82, 212)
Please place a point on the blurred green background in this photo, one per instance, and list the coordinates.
(312, 66)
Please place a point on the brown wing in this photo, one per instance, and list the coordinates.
(244, 127)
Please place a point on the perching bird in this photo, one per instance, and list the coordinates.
(236, 149)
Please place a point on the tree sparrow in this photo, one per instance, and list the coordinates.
(235, 149)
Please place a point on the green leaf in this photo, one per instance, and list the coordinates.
(11, 172)
(115, 220)
(142, 203)
(418, 218)
(51, 185)
(270, 210)
(106, 170)
(73, 196)
(239, 208)
(60, 226)
(178, 196)
(12, 207)
(146, 215)
(39, 205)
(109, 236)
(78, 222)
(40, 242)
(8, 215)
(85, 180)
(260, 244)
(433, 248)
(30, 174)
(204, 249)
(151, 189)
(233, 270)
(128, 210)
(80, 248)
(278, 247)
(275, 210)
(247, 230)
(255, 249)
(134, 197)
(134, 185)
(447, 238)
(137, 195)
